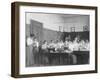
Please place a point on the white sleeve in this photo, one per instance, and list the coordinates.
(37, 44)
(29, 41)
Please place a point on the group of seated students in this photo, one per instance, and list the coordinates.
(60, 46)
(66, 46)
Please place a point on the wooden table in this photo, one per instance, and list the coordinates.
(63, 58)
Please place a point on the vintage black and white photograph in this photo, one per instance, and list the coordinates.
(57, 39)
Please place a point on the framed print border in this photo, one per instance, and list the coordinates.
(15, 39)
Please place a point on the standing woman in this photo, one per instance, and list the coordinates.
(29, 51)
(35, 51)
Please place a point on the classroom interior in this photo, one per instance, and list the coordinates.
(46, 26)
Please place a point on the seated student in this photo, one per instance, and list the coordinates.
(87, 45)
(56, 45)
(76, 44)
(82, 45)
(72, 48)
(60, 46)
(51, 46)
(44, 46)
(68, 46)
